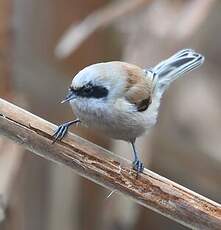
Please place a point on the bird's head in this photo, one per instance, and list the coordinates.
(102, 81)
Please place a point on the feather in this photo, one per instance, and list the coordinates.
(176, 66)
(138, 90)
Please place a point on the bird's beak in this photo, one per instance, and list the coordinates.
(70, 96)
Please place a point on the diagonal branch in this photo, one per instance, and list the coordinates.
(77, 34)
(97, 164)
(191, 17)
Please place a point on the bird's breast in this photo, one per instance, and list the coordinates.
(118, 122)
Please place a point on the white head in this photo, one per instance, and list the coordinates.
(98, 82)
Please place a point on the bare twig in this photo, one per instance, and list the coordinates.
(177, 19)
(191, 17)
(77, 34)
(102, 167)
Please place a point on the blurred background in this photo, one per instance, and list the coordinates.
(44, 43)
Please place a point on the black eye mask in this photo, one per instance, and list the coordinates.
(90, 91)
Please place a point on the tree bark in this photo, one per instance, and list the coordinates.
(148, 189)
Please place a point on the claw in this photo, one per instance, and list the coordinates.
(62, 130)
(138, 166)
(56, 132)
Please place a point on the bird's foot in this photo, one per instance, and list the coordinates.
(138, 166)
(62, 130)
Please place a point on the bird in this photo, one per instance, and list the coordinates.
(122, 100)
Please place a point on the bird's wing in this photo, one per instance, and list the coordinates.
(138, 90)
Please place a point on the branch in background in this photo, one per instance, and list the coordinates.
(177, 19)
(191, 17)
(77, 34)
(11, 156)
(103, 167)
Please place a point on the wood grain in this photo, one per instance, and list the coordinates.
(103, 167)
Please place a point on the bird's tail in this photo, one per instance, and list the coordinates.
(170, 69)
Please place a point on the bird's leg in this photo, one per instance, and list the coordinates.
(137, 164)
(63, 129)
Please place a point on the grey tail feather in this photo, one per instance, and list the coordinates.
(180, 63)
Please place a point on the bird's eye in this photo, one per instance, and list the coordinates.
(71, 88)
(91, 91)
(88, 89)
